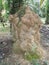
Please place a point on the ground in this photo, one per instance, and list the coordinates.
(45, 38)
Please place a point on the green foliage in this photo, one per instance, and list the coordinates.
(42, 12)
(4, 29)
(47, 12)
(1, 7)
(36, 8)
(36, 62)
(10, 7)
(14, 5)
(31, 56)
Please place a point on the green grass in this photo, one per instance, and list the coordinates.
(30, 56)
(4, 29)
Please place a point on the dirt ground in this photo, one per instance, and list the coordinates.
(45, 38)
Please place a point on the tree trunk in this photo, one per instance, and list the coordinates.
(25, 31)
